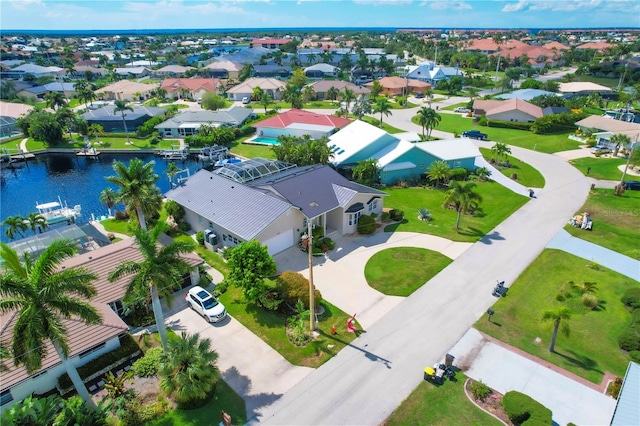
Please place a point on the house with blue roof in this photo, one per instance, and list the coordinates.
(39, 92)
(111, 121)
(526, 94)
(272, 202)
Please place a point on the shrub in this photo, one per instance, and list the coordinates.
(631, 298)
(590, 300)
(509, 125)
(200, 237)
(293, 286)
(270, 300)
(120, 215)
(424, 214)
(524, 410)
(635, 356)
(479, 390)
(147, 366)
(514, 176)
(396, 214)
(614, 387)
(220, 288)
(184, 226)
(128, 347)
(629, 340)
(366, 225)
(174, 210)
(458, 173)
(482, 121)
(385, 216)
(246, 131)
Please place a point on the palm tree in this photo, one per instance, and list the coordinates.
(171, 172)
(439, 171)
(43, 295)
(557, 315)
(308, 93)
(4, 354)
(121, 106)
(55, 99)
(620, 140)
(14, 225)
(109, 197)
(501, 150)
(95, 130)
(188, 368)
(256, 94)
(361, 106)
(265, 101)
(347, 95)
(585, 287)
(67, 118)
(428, 118)
(332, 93)
(35, 221)
(383, 106)
(160, 272)
(136, 185)
(463, 196)
(292, 94)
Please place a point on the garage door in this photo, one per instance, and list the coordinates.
(280, 242)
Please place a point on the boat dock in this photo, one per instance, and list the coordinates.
(88, 152)
(175, 154)
(213, 153)
(11, 155)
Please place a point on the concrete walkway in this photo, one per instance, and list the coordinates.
(505, 370)
(497, 176)
(594, 253)
(340, 275)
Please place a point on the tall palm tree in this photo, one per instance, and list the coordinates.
(265, 101)
(159, 272)
(361, 106)
(67, 118)
(121, 106)
(347, 95)
(556, 316)
(292, 94)
(171, 172)
(428, 118)
(43, 295)
(188, 368)
(109, 197)
(35, 222)
(332, 93)
(463, 196)
(501, 150)
(55, 100)
(95, 130)
(383, 106)
(136, 185)
(14, 225)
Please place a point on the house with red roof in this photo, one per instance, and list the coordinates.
(193, 88)
(600, 46)
(514, 109)
(269, 43)
(297, 122)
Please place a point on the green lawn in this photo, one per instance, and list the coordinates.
(224, 399)
(107, 142)
(592, 347)
(442, 405)
(498, 204)
(616, 221)
(551, 143)
(376, 122)
(604, 81)
(251, 151)
(119, 226)
(269, 326)
(527, 175)
(401, 271)
(601, 168)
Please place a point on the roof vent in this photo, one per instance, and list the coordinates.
(313, 204)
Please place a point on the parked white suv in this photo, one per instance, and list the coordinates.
(201, 301)
(461, 109)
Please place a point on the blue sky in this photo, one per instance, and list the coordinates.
(159, 14)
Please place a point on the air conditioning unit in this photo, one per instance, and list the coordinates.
(213, 239)
(207, 232)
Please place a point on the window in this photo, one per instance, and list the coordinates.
(6, 397)
(92, 350)
(304, 223)
(117, 307)
(224, 237)
(373, 205)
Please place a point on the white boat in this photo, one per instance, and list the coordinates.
(56, 211)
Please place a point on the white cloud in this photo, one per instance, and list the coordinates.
(23, 4)
(383, 2)
(566, 5)
(515, 7)
(447, 4)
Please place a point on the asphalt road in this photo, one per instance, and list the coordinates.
(367, 380)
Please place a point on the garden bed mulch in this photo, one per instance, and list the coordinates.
(492, 404)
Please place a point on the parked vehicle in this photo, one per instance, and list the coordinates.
(475, 134)
(201, 301)
(633, 185)
(419, 95)
(598, 149)
(461, 109)
(246, 100)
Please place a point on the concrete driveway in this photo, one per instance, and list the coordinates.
(505, 370)
(258, 373)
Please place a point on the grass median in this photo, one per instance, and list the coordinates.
(599, 168)
(527, 175)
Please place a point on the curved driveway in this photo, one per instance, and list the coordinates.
(368, 379)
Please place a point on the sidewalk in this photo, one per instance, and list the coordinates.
(570, 398)
(595, 253)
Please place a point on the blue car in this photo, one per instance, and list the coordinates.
(633, 185)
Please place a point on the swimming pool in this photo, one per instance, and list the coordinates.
(261, 140)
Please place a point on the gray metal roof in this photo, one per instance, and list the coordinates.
(108, 111)
(243, 210)
(627, 410)
(314, 189)
(234, 116)
(252, 169)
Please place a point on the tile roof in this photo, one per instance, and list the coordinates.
(10, 109)
(400, 82)
(248, 85)
(492, 107)
(242, 210)
(582, 86)
(323, 86)
(225, 65)
(298, 116)
(126, 86)
(173, 68)
(608, 124)
(174, 84)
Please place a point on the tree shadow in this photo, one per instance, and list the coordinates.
(242, 385)
(369, 355)
(489, 238)
(601, 306)
(581, 361)
(471, 232)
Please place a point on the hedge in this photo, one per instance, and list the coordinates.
(366, 225)
(458, 173)
(293, 286)
(509, 124)
(128, 347)
(524, 410)
(631, 298)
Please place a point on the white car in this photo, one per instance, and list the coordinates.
(460, 109)
(205, 304)
(246, 100)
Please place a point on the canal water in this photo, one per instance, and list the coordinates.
(74, 180)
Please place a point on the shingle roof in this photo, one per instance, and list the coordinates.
(241, 209)
(298, 116)
(323, 86)
(314, 189)
(607, 124)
